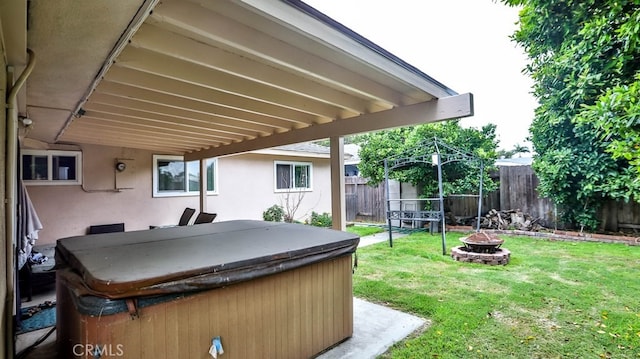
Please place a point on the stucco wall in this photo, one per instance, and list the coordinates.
(245, 185)
(3, 238)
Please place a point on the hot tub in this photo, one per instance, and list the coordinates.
(267, 290)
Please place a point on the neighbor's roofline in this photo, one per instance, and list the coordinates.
(290, 153)
(311, 11)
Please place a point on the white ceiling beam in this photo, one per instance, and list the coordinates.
(225, 116)
(90, 128)
(169, 122)
(133, 136)
(272, 113)
(191, 20)
(436, 110)
(177, 69)
(116, 140)
(182, 116)
(114, 135)
(190, 118)
(315, 35)
(130, 123)
(162, 41)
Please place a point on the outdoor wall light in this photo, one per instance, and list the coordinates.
(26, 121)
(121, 166)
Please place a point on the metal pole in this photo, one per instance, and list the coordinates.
(480, 197)
(203, 184)
(386, 185)
(444, 245)
(10, 200)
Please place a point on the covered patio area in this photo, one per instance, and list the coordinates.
(197, 79)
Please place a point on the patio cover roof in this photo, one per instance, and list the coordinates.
(206, 78)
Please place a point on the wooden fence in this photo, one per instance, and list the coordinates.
(466, 206)
(518, 190)
(364, 203)
(620, 216)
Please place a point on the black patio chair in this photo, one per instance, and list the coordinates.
(204, 217)
(106, 228)
(186, 216)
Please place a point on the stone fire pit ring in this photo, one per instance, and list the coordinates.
(500, 257)
(481, 248)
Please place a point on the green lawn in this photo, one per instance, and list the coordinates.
(365, 230)
(554, 300)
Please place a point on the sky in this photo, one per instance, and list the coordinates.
(464, 44)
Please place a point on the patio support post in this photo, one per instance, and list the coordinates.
(441, 198)
(480, 197)
(388, 208)
(203, 185)
(338, 202)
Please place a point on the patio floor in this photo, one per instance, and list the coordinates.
(375, 329)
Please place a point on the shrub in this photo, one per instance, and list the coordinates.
(320, 220)
(274, 213)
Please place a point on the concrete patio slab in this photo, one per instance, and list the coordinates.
(379, 237)
(375, 329)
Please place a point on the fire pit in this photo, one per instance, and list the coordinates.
(482, 248)
(482, 242)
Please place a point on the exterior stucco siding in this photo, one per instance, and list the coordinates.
(245, 190)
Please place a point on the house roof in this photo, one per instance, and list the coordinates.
(353, 150)
(515, 161)
(303, 149)
(209, 78)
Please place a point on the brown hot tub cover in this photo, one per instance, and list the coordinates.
(193, 258)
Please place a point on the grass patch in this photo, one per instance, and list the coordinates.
(554, 300)
(364, 230)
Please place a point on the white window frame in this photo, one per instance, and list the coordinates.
(293, 164)
(50, 154)
(186, 192)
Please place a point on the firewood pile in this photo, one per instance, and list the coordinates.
(510, 219)
(494, 219)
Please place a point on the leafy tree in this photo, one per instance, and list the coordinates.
(458, 177)
(582, 60)
(616, 116)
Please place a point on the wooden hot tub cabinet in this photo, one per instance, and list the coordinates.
(269, 290)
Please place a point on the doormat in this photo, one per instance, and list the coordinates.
(37, 317)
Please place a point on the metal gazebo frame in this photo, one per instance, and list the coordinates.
(439, 158)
